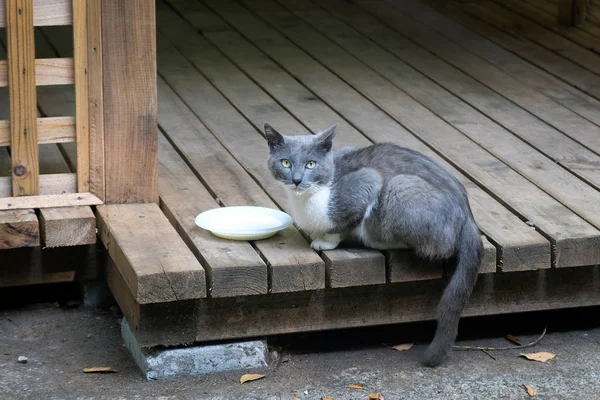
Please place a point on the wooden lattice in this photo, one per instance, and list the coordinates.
(22, 72)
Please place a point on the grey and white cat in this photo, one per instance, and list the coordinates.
(385, 197)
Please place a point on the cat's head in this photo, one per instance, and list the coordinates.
(301, 162)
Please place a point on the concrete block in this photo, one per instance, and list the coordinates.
(161, 363)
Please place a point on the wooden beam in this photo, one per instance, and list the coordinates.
(49, 201)
(96, 98)
(22, 93)
(207, 320)
(48, 71)
(130, 105)
(50, 130)
(19, 228)
(149, 253)
(68, 226)
(45, 12)
(572, 12)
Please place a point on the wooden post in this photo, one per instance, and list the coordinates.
(130, 105)
(96, 98)
(80, 61)
(572, 12)
(22, 90)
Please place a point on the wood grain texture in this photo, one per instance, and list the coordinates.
(96, 98)
(233, 268)
(494, 294)
(45, 12)
(50, 130)
(19, 228)
(69, 226)
(130, 106)
(22, 93)
(154, 260)
(80, 60)
(50, 200)
(480, 166)
(48, 71)
(218, 169)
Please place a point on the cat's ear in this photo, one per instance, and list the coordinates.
(325, 138)
(274, 138)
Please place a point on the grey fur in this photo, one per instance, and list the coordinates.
(386, 196)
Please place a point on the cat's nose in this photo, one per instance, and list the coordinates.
(296, 181)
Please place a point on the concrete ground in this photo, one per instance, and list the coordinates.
(60, 340)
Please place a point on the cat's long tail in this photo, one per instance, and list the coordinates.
(457, 293)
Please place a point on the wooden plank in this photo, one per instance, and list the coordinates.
(521, 27)
(572, 12)
(546, 60)
(481, 45)
(48, 71)
(19, 228)
(498, 106)
(494, 294)
(484, 131)
(96, 98)
(293, 265)
(45, 12)
(257, 107)
(585, 35)
(130, 106)
(50, 184)
(80, 57)
(523, 247)
(509, 187)
(233, 268)
(541, 9)
(21, 78)
(154, 260)
(69, 226)
(50, 200)
(50, 130)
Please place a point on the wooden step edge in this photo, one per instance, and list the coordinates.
(67, 226)
(154, 261)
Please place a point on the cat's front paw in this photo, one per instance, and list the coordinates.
(326, 242)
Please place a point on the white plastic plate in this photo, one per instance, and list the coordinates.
(243, 223)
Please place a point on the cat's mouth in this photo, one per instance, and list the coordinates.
(298, 190)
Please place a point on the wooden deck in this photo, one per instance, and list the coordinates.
(496, 92)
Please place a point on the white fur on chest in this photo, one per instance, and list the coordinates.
(309, 210)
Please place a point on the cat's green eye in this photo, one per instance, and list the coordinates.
(311, 164)
(286, 163)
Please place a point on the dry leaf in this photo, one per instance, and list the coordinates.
(402, 347)
(513, 339)
(530, 391)
(356, 387)
(98, 370)
(375, 396)
(542, 356)
(250, 377)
